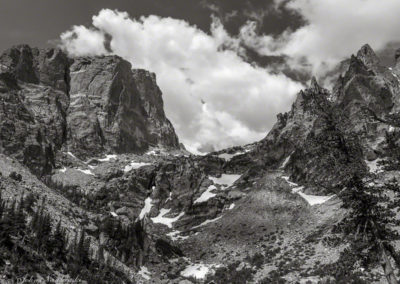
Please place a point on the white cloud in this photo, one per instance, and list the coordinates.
(84, 41)
(242, 100)
(334, 29)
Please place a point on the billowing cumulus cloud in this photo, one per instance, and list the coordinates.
(212, 95)
(334, 29)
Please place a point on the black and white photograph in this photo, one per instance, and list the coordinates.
(200, 141)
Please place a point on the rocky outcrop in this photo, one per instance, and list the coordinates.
(328, 135)
(34, 104)
(115, 109)
(87, 105)
(293, 127)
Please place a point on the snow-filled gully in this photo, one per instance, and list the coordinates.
(311, 199)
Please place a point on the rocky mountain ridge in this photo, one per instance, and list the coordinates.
(260, 213)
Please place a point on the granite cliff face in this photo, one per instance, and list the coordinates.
(87, 106)
(115, 109)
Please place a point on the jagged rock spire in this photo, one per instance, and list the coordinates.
(314, 86)
(367, 55)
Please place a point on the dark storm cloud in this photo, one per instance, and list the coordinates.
(271, 18)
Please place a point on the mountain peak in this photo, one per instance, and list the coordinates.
(314, 84)
(367, 55)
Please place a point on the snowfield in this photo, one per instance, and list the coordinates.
(206, 195)
(198, 271)
(226, 180)
(108, 158)
(311, 199)
(165, 220)
(146, 209)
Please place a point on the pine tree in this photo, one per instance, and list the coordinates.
(2, 205)
(82, 249)
(19, 221)
(6, 230)
(29, 202)
(369, 225)
(58, 242)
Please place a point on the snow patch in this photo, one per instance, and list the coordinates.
(114, 214)
(297, 189)
(165, 220)
(63, 170)
(77, 72)
(153, 152)
(206, 222)
(285, 162)
(146, 209)
(134, 166)
(174, 235)
(108, 158)
(87, 172)
(373, 166)
(314, 199)
(231, 206)
(226, 180)
(206, 195)
(144, 272)
(289, 182)
(311, 199)
(228, 157)
(169, 197)
(198, 271)
(72, 155)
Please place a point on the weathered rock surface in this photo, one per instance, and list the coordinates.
(87, 106)
(115, 109)
(328, 134)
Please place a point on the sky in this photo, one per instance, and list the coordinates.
(226, 68)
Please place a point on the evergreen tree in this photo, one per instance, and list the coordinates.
(369, 224)
(58, 242)
(2, 205)
(29, 202)
(19, 221)
(6, 230)
(82, 249)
